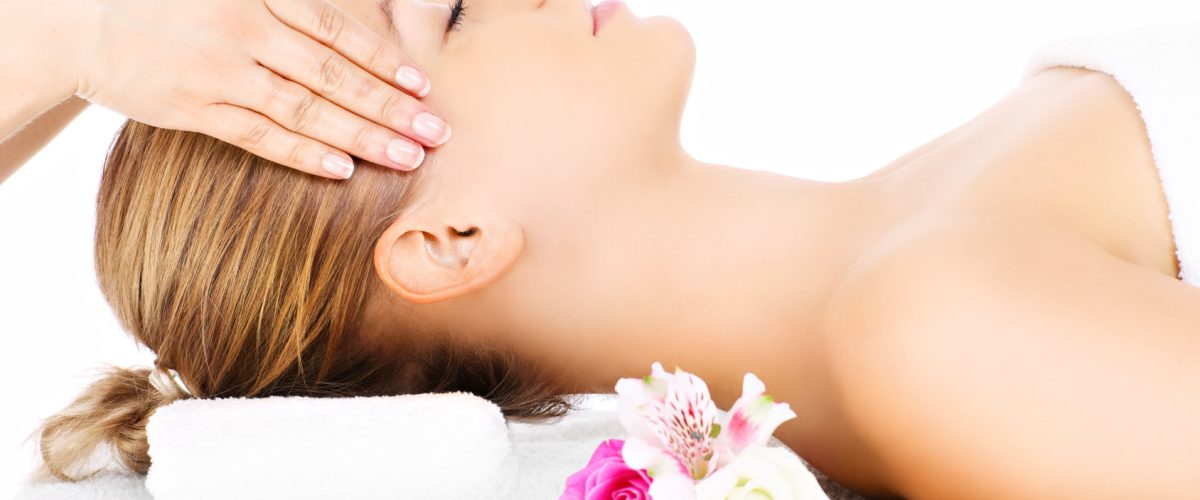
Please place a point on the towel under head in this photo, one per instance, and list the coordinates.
(449, 445)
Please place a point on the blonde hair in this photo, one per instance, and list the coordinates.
(251, 279)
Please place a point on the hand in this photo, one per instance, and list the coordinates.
(292, 81)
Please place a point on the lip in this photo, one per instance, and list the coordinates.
(602, 12)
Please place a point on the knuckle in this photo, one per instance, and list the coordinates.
(363, 140)
(254, 136)
(364, 89)
(395, 106)
(330, 23)
(274, 95)
(377, 57)
(332, 72)
(305, 113)
(296, 153)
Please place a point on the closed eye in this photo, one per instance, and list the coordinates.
(456, 15)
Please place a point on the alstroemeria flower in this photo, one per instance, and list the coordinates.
(670, 418)
(676, 436)
(751, 421)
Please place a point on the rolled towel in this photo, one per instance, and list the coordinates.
(429, 446)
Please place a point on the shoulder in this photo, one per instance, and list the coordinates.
(928, 285)
(986, 350)
(933, 269)
(907, 321)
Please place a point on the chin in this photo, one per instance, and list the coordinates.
(671, 35)
(676, 57)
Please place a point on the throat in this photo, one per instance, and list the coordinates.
(718, 270)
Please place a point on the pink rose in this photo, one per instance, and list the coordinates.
(606, 477)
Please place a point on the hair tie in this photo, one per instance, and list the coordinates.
(168, 381)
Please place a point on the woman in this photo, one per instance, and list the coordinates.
(986, 316)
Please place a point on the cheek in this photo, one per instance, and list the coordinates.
(531, 95)
(537, 73)
(533, 101)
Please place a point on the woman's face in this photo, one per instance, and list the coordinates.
(539, 106)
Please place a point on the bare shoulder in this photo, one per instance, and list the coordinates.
(995, 359)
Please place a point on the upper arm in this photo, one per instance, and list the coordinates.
(1040, 367)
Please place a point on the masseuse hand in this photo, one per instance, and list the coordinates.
(297, 82)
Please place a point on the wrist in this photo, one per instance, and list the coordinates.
(55, 34)
(39, 65)
(76, 22)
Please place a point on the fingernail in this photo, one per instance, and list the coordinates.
(337, 165)
(413, 79)
(405, 153)
(432, 128)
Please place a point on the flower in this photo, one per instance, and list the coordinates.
(752, 419)
(682, 448)
(607, 477)
(762, 472)
(678, 436)
(674, 415)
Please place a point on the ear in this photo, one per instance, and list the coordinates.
(425, 261)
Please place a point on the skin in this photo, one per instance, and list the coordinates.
(297, 82)
(607, 247)
(960, 323)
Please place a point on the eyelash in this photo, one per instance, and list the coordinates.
(456, 14)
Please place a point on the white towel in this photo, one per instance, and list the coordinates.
(108, 485)
(240, 449)
(433, 446)
(1159, 66)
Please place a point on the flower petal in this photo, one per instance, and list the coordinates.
(762, 472)
(639, 454)
(631, 405)
(673, 487)
(751, 420)
(636, 398)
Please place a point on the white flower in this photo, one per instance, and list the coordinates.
(670, 418)
(761, 473)
(751, 421)
(678, 436)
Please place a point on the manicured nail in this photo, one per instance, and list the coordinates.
(432, 128)
(406, 153)
(413, 79)
(337, 165)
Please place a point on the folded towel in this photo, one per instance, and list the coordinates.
(1159, 66)
(418, 446)
(108, 485)
(429, 446)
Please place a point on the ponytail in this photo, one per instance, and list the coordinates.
(112, 411)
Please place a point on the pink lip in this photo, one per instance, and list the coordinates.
(602, 12)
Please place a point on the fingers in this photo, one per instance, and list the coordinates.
(329, 75)
(263, 137)
(298, 109)
(324, 22)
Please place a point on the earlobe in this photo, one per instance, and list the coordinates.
(430, 262)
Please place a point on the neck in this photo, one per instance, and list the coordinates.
(714, 269)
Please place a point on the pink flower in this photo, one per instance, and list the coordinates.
(677, 434)
(606, 477)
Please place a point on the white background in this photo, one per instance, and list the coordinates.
(817, 89)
